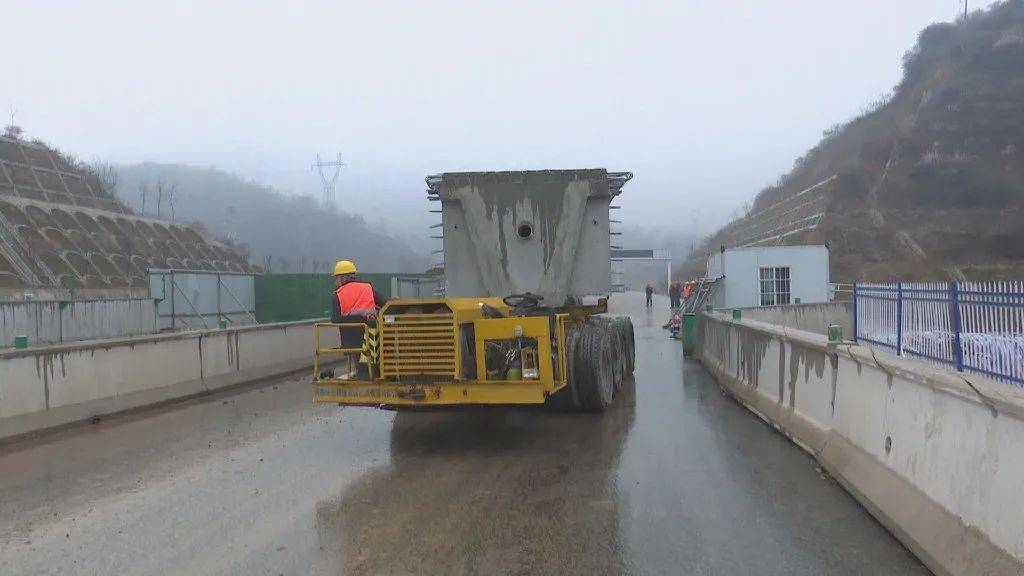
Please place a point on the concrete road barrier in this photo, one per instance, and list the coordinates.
(814, 317)
(935, 456)
(51, 386)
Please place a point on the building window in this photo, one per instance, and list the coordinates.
(774, 285)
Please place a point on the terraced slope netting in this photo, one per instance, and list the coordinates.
(60, 228)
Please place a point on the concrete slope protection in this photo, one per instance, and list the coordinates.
(933, 455)
(675, 478)
(61, 229)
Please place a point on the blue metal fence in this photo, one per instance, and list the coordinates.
(976, 326)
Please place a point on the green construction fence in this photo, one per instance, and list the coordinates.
(288, 297)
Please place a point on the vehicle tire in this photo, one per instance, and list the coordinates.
(622, 331)
(595, 365)
(618, 364)
(625, 345)
(629, 344)
(620, 347)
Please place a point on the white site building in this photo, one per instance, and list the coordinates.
(768, 276)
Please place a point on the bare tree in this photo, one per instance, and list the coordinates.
(159, 195)
(164, 190)
(12, 131)
(267, 263)
(143, 191)
(171, 191)
(108, 176)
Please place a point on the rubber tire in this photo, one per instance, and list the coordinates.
(618, 364)
(629, 342)
(620, 351)
(595, 364)
(621, 332)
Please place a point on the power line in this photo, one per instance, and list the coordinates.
(328, 178)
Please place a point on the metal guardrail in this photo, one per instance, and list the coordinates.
(416, 287)
(840, 291)
(976, 326)
(318, 351)
(211, 297)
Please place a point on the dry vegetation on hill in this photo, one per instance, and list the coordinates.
(930, 180)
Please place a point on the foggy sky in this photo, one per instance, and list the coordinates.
(706, 102)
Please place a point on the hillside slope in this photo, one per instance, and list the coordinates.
(61, 228)
(929, 184)
(290, 233)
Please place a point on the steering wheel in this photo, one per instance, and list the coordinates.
(527, 300)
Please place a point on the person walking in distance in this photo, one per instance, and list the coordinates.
(649, 290)
(673, 295)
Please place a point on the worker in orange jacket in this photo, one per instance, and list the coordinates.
(353, 302)
(353, 297)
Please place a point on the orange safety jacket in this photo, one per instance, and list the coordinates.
(356, 298)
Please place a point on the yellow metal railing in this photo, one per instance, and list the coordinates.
(318, 351)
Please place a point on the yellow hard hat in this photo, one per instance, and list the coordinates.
(344, 267)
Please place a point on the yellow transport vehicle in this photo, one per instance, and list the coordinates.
(512, 241)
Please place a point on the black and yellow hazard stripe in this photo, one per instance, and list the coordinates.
(369, 352)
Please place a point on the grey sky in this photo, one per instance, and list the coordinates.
(705, 101)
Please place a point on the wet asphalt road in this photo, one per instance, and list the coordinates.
(676, 479)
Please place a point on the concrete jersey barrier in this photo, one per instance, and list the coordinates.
(815, 317)
(51, 386)
(935, 457)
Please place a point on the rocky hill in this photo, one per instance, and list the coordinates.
(929, 183)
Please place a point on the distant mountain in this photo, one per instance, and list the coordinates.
(927, 184)
(283, 232)
(679, 241)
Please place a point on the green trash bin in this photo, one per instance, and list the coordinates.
(689, 332)
(21, 341)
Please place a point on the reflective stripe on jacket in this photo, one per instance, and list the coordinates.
(356, 298)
